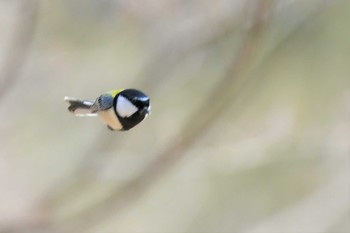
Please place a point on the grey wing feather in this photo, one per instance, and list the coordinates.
(102, 103)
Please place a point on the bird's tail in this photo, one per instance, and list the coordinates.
(80, 107)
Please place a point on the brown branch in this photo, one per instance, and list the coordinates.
(19, 45)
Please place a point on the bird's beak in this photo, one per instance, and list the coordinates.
(146, 111)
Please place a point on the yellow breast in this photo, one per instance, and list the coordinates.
(109, 118)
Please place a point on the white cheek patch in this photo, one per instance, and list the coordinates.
(124, 107)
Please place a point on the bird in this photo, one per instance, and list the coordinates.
(120, 109)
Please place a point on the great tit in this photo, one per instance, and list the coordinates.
(118, 109)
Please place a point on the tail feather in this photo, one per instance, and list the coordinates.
(80, 107)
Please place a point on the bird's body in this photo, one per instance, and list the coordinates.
(109, 118)
(118, 109)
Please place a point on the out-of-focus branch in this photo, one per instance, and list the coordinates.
(169, 56)
(316, 213)
(151, 81)
(19, 45)
(172, 54)
(225, 91)
(196, 125)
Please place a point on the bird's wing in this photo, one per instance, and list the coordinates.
(104, 101)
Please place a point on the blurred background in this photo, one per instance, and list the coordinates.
(249, 129)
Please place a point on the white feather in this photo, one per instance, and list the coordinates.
(124, 107)
(84, 113)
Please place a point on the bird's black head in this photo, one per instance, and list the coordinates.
(131, 107)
